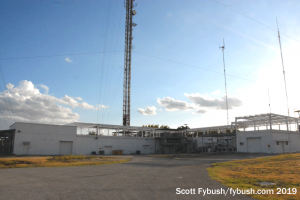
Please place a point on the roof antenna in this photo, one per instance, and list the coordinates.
(223, 48)
(269, 100)
(287, 101)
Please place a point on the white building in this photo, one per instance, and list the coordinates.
(265, 133)
(269, 133)
(45, 139)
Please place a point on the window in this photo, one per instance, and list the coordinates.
(287, 143)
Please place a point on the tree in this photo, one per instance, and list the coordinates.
(183, 127)
(92, 133)
(151, 126)
(156, 126)
(164, 127)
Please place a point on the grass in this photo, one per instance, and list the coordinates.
(58, 161)
(284, 170)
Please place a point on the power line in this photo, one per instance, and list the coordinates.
(59, 55)
(254, 20)
(193, 66)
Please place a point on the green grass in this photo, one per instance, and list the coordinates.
(284, 170)
(58, 161)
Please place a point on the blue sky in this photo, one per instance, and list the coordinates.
(65, 60)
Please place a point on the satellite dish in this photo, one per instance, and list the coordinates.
(133, 12)
(134, 24)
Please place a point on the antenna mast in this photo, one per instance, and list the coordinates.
(127, 61)
(269, 100)
(287, 101)
(223, 48)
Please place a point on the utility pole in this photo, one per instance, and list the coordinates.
(287, 101)
(223, 48)
(127, 60)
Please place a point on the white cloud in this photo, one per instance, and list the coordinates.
(44, 87)
(217, 92)
(70, 101)
(9, 86)
(69, 60)
(78, 98)
(215, 103)
(26, 103)
(148, 110)
(171, 104)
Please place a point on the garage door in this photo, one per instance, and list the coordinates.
(108, 150)
(254, 145)
(65, 148)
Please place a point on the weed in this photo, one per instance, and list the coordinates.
(284, 170)
(55, 161)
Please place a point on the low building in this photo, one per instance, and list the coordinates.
(265, 133)
(269, 133)
(45, 139)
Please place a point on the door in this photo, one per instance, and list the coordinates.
(280, 147)
(254, 145)
(65, 147)
(108, 150)
(146, 149)
(25, 149)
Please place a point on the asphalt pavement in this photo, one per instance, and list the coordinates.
(144, 177)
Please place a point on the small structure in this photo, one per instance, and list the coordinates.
(267, 133)
(215, 139)
(174, 141)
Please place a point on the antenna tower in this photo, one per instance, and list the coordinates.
(127, 60)
(223, 48)
(287, 101)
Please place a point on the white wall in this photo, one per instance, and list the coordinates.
(293, 139)
(270, 137)
(45, 140)
(86, 144)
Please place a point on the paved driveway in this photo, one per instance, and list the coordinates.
(144, 178)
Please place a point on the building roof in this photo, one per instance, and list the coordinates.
(264, 119)
(109, 126)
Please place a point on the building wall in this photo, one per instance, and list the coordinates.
(269, 141)
(45, 140)
(86, 144)
(293, 139)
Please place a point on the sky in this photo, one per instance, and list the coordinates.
(63, 61)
